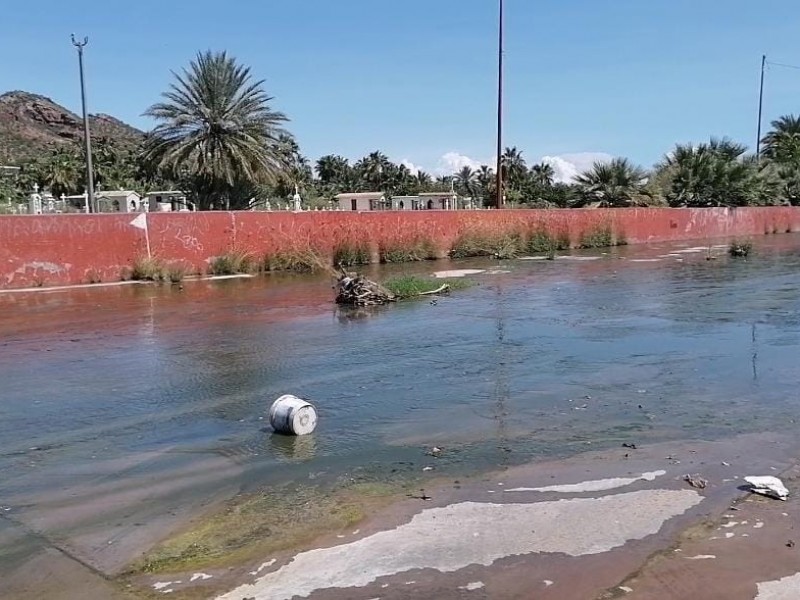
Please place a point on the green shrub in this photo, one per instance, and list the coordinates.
(298, 260)
(231, 263)
(601, 237)
(541, 241)
(147, 269)
(176, 271)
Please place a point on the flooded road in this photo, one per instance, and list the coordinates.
(122, 406)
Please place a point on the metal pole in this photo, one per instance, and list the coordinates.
(760, 106)
(86, 134)
(499, 173)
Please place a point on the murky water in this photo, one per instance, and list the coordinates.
(141, 382)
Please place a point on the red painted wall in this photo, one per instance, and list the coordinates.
(70, 249)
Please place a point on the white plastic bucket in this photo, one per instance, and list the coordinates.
(292, 415)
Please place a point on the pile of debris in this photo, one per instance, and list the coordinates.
(353, 289)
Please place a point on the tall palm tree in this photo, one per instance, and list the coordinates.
(543, 174)
(216, 127)
(465, 181)
(513, 164)
(615, 183)
(782, 143)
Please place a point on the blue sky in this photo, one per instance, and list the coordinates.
(416, 78)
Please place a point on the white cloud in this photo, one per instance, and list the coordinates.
(452, 162)
(566, 166)
(410, 166)
(569, 166)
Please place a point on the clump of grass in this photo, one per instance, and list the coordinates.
(601, 237)
(93, 277)
(175, 272)
(501, 245)
(411, 286)
(348, 255)
(541, 241)
(231, 263)
(413, 251)
(740, 248)
(563, 241)
(298, 260)
(147, 269)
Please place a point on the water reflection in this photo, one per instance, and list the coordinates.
(293, 448)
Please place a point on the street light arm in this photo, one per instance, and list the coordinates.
(78, 44)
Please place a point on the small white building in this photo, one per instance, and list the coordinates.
(439, 200)
(428, 201)
(363, 201)
(406, 202)
(118, 201)
(168, 201)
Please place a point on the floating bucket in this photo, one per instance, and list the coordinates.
(292, 415)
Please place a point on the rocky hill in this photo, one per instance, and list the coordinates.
(30, 124)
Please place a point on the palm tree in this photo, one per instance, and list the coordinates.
(424, 181)
(333, 170)
(465, 181)
(514, 167)
(543, 174)
(485, 180)
(717, 173)
(782, 144)
(216, 127)
(616, 183)
(62, 172)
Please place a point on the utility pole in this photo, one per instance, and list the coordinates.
(87, 136)
(760, 106)
(499, 174)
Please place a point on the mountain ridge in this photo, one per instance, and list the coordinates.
(32, 124)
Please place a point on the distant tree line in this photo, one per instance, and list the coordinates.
(219, 139)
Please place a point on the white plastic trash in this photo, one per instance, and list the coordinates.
(768, 486)
(292, 415)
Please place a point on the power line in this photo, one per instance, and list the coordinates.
(784, 65)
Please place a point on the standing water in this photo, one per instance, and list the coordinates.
(152, 394)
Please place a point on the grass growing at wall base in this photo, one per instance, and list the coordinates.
(155, 269)
(232, 263)
(175, 272)
(601, 237)
(411, 252)
(501, 245)
(147, 269)
(348, 255)
(542, 241)
(297, 260)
